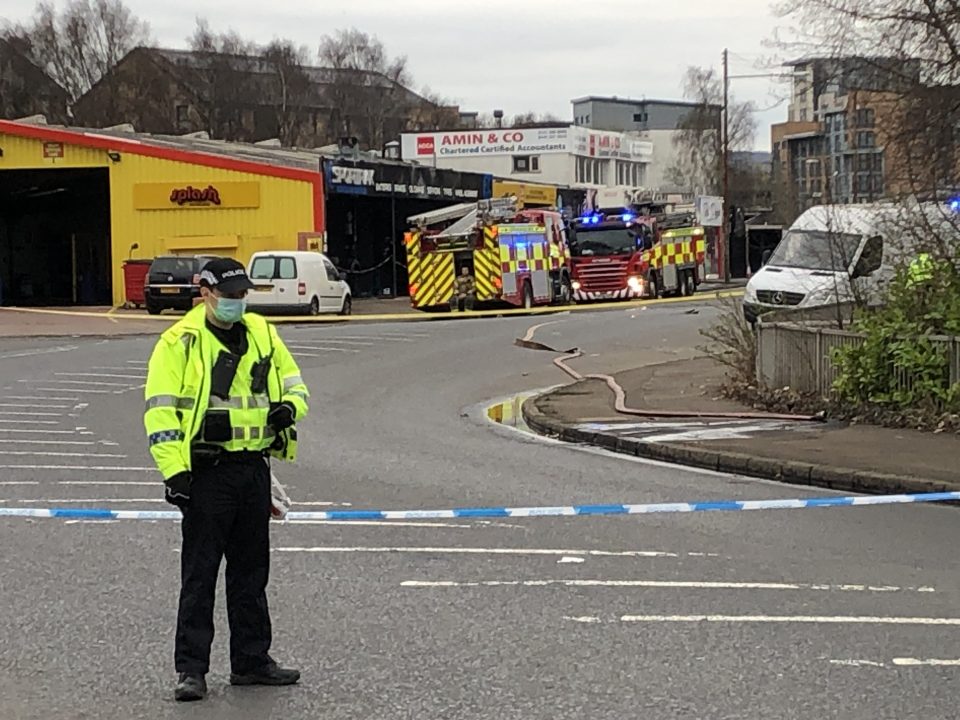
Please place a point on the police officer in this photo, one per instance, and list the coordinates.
(222, 396)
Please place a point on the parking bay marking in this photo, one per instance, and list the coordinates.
(490, 551)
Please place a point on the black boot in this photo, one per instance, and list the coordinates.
(190, 686)
(269, 674)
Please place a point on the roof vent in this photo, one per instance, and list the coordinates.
(32, 120)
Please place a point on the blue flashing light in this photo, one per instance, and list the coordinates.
(591, 219)
(627, 217)
(954, 204)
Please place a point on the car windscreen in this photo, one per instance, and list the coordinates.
(615, 241)
(816, 250)
(179, 267)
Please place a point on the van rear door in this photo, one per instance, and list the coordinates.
(275, 279)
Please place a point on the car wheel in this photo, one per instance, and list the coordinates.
(154, 309)
(347, 306)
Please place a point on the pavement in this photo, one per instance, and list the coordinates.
(826, 454)
(814, 613)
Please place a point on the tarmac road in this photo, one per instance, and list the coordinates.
(839, 613)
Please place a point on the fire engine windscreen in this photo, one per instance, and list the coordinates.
(615, 241)
(815, 250)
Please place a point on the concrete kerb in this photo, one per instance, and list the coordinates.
(787, 471)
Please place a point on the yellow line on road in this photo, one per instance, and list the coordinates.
(413, 316)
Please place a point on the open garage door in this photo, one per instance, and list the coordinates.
(55, 237)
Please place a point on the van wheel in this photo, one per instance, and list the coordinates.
(347, 307)
(314, 306)
(527, 295)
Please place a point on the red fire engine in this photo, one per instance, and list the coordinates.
(633, 253)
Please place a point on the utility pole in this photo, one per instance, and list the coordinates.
(725, 160)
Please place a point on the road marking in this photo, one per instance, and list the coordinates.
(42, 397)
(77, 390)
(667, 584)
(101, 375)
(587, 619)
(118, 369)
(482, 551)
(18, 413)
(59, 454)
(44, 407)
(914, 662)
(45, 432)
(300, 348)
(81, 382)
(136, 362)
(30, 422)
(43, 351)
(108, 483)
(791, 619)
(83, 500)
(376, 338)
(6, 483)
(98, 468)
(857, 663)
(47, 442)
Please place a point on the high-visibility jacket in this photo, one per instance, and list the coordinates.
(920, 270)
(178, 392)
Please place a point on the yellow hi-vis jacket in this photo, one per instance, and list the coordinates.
(178, 392)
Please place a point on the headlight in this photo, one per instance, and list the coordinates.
(635, 283)
(575, 284)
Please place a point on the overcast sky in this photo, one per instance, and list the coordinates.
(517, 55)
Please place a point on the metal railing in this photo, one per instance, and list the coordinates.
(801, 356)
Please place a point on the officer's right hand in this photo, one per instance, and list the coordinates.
(177, 489)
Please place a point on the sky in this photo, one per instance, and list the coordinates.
(515, 55)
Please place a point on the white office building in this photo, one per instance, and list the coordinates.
(566, 156)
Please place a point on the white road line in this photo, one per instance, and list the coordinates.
(914, 662)
(375, 338)
(96, 468)
(76, 390)
(6, 483)
(42, 397)
(857, 663)
(120, 369)
(319, 349)
(132, 483)
(789, 619)
(43, 407)
(481, 551)
(81, 382)
(39, 351)
(101, 375)
(299, 353)
(47, 442)
(136, 362)
(30, 422)
(667, 584)
(60, 454)
(18, 413)
(49, 501)
(586, 619)
(45, 432)
(335, 341)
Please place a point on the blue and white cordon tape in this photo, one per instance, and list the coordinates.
(506, 512)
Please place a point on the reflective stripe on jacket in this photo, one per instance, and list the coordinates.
(178, 392)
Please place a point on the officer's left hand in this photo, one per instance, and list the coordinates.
(282, 416)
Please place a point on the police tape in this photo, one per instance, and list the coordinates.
(507, 512)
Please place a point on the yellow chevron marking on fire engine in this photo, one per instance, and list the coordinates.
(436, 280)
(486, 270)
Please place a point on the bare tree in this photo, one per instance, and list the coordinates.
(80, 44)
(698, 142)
(225, 71)
(292, 88)
(533, 119)
(434, 112)
(367, 90)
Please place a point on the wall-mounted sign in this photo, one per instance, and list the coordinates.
(367, 178)
(526, 193)
(52, 150)
(187, 196)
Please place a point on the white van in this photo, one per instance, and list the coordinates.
(834, 254)
(294, 282)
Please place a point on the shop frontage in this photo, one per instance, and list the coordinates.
(367, 207)
(74, 205)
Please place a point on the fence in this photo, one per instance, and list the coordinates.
(800, 356)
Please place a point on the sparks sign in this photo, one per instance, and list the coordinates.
(418, 146)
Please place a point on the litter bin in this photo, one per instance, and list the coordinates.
(134, 278)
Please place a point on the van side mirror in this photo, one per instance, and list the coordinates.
(870, 259)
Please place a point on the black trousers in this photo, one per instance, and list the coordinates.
(228, 516)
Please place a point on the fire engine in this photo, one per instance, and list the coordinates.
(517, 256)
(631, 252)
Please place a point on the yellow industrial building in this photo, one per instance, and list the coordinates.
(75, 204)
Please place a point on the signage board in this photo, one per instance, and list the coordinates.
(710, 211)
(381, 179)
(52, 150)
(185, 196)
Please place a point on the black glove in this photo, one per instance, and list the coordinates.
(177, 489)
(282, 416)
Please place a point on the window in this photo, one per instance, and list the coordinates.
(287, 268)
(183, 114)
(534, 163)
(521, 163)
(866, 139)
(828, 123)
(263, 268)
(332, 273)
(866, 117)
(640, 117)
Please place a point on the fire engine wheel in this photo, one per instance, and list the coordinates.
(566, 291)
(689, 283)
(653, 285)
(527, 295)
